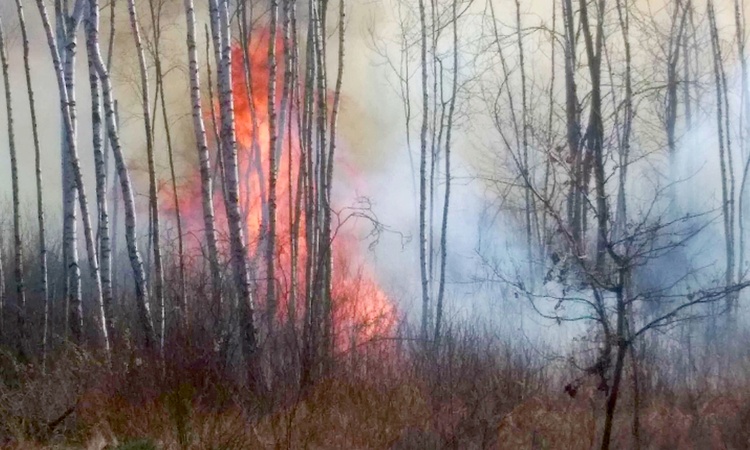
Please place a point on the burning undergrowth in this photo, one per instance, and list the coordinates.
(361, 311)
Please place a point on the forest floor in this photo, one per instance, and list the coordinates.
(466, 399)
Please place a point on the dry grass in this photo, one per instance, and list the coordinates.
(469, 397)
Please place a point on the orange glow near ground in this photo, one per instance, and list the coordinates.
(361, 310)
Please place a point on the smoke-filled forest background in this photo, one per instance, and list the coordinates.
(374, 224)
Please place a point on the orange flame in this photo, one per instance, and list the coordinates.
(361, 310)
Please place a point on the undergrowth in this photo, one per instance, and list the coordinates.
(472, 395)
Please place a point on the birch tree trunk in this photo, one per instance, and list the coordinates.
(105, 252)
(17, 244)
(426, 308)
(446, 201)
(39, 189)
(136, 262)
(153, 198)
(328, 181)
(156, 16)
(68, 108)
(204, 157)
(273, 171)
(238, 249)
(73, 312)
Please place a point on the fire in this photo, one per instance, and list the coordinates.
(361, 310)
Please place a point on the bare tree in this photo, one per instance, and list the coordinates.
(17, 244)
(426, 308)
(105, 250)
(136, 262)
(238, 249)
(153, 188)
(273, 170)
(39, 182)
(446, 201)
(156, 10)
(69, 118)
(725, 147)
(203, 157)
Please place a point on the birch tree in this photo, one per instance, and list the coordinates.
(123, 174)
(248, 337)
(18, 275)
(155, 8)
(152, 188)
(204, 157)
(68, 111)
(66, 48)
(105, 249)
(426, 307)
(39, 181)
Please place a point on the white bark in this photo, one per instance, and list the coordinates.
(156, 17)
(123, 175)
(203, 156)
(68, 112)
(73, 311)
(273, 171)
(153, 198)
(426, 309)
(39, 183)
(17, 244)
(236, 234)
(105, 251)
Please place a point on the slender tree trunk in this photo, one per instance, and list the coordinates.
(724, 149)
(426, 308)
(325, 172)
(673, 59)
(214, 121)
(446, 201)
(17, 244)
(68, 109)
(204, 158)
(624, 154)
(595, 131)
(73, 313)
(295, 186)
(526, 167)
(115, 198)
(136, 262)
(43, 282)
(622, 347)
(160, 76)
(105, 252)
(311, 331)
(234, 218)
(573, 124)
(153, 187)
(272, 171)
(613, 396)
(327, 236)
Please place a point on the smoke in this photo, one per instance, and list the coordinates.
(483, 235)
